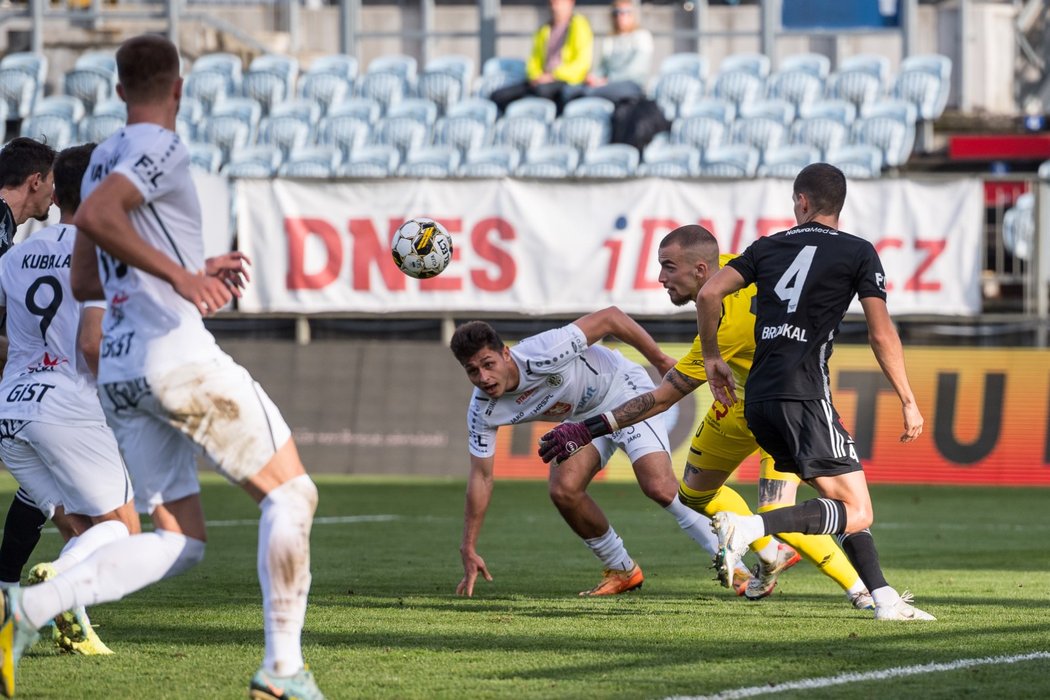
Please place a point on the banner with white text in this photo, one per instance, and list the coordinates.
(567, 247)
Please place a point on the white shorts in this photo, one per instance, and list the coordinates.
(639, 439)
(77, 467)
(213, 408)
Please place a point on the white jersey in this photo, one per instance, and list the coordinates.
(149, 328)
(45, 378)
(560, 378)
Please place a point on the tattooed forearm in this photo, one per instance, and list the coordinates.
(634, 410)
(682, 384)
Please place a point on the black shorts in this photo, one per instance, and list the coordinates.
(804, 437)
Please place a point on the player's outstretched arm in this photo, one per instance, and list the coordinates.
(231, 268)
(103, 217)
(886, 344)
(479, 494)
(613, 321)
(83, 271)
(708, 313)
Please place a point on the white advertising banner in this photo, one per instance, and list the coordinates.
(564, 248)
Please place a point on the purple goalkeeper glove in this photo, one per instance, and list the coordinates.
(565, 439)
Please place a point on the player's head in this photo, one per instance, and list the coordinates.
(70, 166)
(561, 10)
(148, 70)
(820, 190)
(485, 358)
(688, 255)
(25, 168)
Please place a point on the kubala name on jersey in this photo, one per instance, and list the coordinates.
(786, 331)
(45, 261)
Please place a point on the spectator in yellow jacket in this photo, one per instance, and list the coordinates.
(562, 50)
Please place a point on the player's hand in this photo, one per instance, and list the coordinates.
(720, 377)
(472, 565)
(561, 442)
(208, 294)
(913, 422)
(231, 268)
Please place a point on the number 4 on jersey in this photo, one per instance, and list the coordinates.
(789, 288)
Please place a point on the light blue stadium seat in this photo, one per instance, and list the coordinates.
(253, 161)
(285, 132)
(698, 131)
(462, 133)
(857, 161)
(404, 66)
(312, 162)
(890, 126)
(446, 80)
(787, 161)
(672, 91)
(713, 107)
(18, 90)
(689, 63)
(56, 130)
(797, 87)
(206, 156)
(499, 72)
(418, 108)
(403, 133)
(325, 89)
(89, 85)
(534, 107)
(549, 162)
(227, 64)
(816, 64)
(756, 64)
(96, 128)
(582, 133)
(305, 110)
(925, 82)
(344, 131)
(859, 79)
(670, 161)
(339, 64)
(523, 133)
(613, 160)
(244, 108)
(98, 60)
(264, 87)
(60, 105)
(384, 88)
(1019, 230)
(363, 108)
(876, 65)
(490, 161)
(287, 67)
(431, 162)
(372, 161)
(188, 119)
(778, 110)
(760, 133)
(820, 133)
(842, 111)
(228, 132)
(596, 107)
(33, 64)
(1044, 170)
(476, 108)
(738, 160)
(738, 87)
(209, 87)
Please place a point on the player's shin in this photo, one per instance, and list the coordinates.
(860, 548)
(284, 570)
(80, 548)
(725, 499)
(817, 516)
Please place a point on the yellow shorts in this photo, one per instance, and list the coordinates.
(723, 441)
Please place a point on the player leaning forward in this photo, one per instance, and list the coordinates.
(168, 390)
(562, 374)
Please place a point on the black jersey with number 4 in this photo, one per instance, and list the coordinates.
(807, 277)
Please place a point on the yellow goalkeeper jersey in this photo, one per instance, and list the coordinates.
(736, 337)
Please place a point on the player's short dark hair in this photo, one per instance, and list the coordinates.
(147, 67)
(22, 157)
(694, 238)
(473, 337)
(825, 187)
(70, 166)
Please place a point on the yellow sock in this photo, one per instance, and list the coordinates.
(721, 499)
(821, 550)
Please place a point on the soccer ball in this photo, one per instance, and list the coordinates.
(421, 248)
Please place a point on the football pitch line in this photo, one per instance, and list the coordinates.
(846, 678)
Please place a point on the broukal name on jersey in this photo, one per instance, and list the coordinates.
(45, 261)
(784, 330)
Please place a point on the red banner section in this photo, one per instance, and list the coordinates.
(987, 417)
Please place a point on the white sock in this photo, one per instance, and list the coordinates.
(886, 595)
(857, 587)
(609, 548)
(112, 572)
(768, 554)
(284, 571)
(751, 527)
(80, 548)
(696, 525)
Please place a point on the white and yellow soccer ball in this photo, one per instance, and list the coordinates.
(421, 248)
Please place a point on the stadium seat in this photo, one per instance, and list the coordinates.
(228, 132)
(857, 161)
(720, 110)
(787, 161)
(3, 121)
(32, 64)
(341, 64)
(285, 132)
(303, 109)
(312, 162)
(738, 87)
(499, 72)
(446, 80)
(209, 87)
(778, 110)
(582, 133)
(403, 133)
(96, 128)
(761, 133)
(797, 87)
(859, 79)
(244, 108)
(476, 108)
(876, 65)
(404, 66)
(523, 133)
(287, 67)
(431, 162)
(816, 64)
(462, 133)
(925, 81)
(346, 132)
(188, 119)
(549, 162)
(756, 64)
(372, 161)
(361, 108)
(539, 108)
(670, 161)
(227, 64)
(672, 91)
(264, 87)
(698, 131)
(490, 161)
(89, 85)
(325, 89)
(253, 161)
(840, 110)
(206, 156)
(890, 126)
(60, 105)
(821, 133)
(57, 130)
(384, 88)
(1044, 170)
(1019, 230)
(18, 90)
(597, 107)
(736, 160)
(614, 160)
(418, 108)
(686, 62)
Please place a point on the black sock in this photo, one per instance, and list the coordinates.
(860, 550)
(818, 516)
(21, 533)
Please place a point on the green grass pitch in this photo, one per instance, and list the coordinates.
(384, 621)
